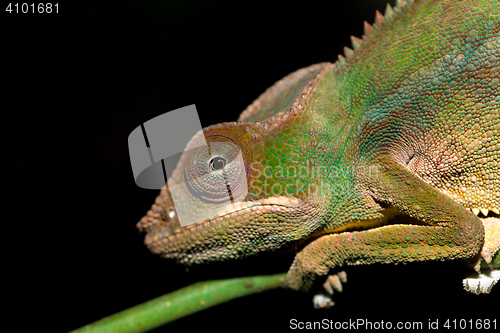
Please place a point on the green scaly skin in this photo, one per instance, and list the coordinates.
(406, 123)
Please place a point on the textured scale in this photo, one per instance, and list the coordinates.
(406, 122)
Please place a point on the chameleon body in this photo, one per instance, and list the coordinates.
(406, 123)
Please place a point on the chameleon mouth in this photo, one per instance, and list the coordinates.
(165, 235)
(262, 204)
(163, 216)
(269, 205)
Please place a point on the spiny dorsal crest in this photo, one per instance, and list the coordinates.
(388, 17)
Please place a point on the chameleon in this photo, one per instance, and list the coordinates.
(388, 155)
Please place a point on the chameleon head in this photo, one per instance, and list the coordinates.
(231, 198)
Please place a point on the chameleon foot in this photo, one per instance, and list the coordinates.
(482, 283)
(334, 282)
(322, 301)
(491, 242)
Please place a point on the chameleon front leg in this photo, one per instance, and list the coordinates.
(482, 282)
(450, 231)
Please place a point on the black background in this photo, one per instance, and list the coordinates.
(75, 84)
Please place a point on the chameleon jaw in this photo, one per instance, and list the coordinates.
(269, 203)
(165, 236)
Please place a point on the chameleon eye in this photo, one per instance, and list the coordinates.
(217, 163)
(215, 172)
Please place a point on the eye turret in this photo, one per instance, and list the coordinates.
(216, 172)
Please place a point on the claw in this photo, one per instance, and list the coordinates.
(332, 283)
(343, 276)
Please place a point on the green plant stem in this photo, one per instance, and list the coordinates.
(182, 302)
